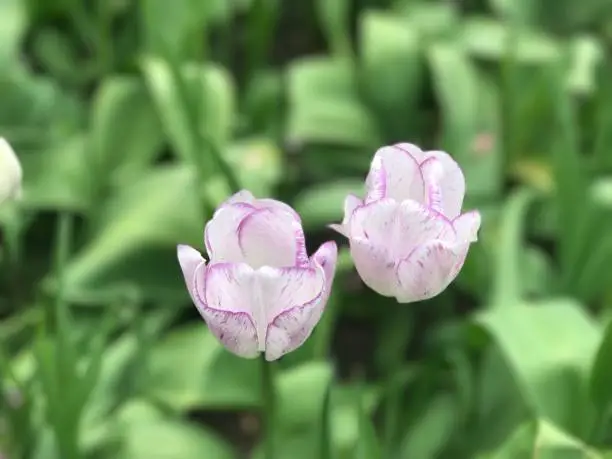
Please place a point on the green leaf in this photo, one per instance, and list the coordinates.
(325, 107)
(431, 20)
(126, 132)
(13, 23)
(542, 439)
(433, 430)
(257, 163)
(59, 178)
(324, 204)
(173, 30)
(172, 440)
(470, 111)
(334, 17)
(368, 445)
(214, 378)
(311, 381)
(601, 373)
(345, 414)
(392, 69)
(195, 102)
(134, 249)
(548, 347)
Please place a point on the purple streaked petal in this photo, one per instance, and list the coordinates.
(351, 202)
(292, 297)
(272, 237)
(427, 271)
(412, 150)
(275, 205)
(398, 227)
(403, 176)
(466, 226)
(189, 259)
(223, 293)
(432, 174)
(375, 266)
(221, 233)
(452, 182)
(376, 181)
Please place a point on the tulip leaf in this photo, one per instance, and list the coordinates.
(601, 373)
(346, 414)
(542, 439)
(433, 430)
(324, 204)
(192, 102)
(431, 20)
(134, 248)
(182, 19)
(368, 445)
(59, 178)
(470, 110)
(212, 379)
(545, 345)
(171, 439)
(126, 133)
(325, 107)
(334, 17)
(392, 69)
(13, 22)
(311, 381)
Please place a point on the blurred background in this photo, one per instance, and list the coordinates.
(134, 119)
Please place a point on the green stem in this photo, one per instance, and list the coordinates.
(269, 406)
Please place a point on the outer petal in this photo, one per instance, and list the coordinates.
(426, 272)
(351, 203)
(272, 237)
(466, 226)
(403, 176)
(189, 259)
(375, 266)
(376, 181)
(399, 227)
(292, 298)
(224, 292)
(451, 182)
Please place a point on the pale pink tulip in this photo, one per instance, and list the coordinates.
(259, 291)
(408, 237)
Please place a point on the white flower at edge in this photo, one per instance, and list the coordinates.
(10, 173)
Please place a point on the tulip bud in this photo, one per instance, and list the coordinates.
(259, 291)
(408, 237)
(10, 173)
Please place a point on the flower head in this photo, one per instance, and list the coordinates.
(408, 237)
(10, 173)
(259, 292)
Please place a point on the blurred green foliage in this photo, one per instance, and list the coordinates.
(134, 118)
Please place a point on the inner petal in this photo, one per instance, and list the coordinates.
(268, 237)
(403, 177)
(221, 233)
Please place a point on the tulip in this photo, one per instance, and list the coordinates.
(259, 291)
(408, 237)
(10, 173)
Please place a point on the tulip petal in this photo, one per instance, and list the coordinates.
(375, 266)
(396, 228)
(466, 226)
(403, 176)
(451, 182)
(240, 197)
(426, 272)
(189, 259)
(221, 233)
(292, 297)
(272, 237)
(225, 293)
(376, 181)
(351, 202)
